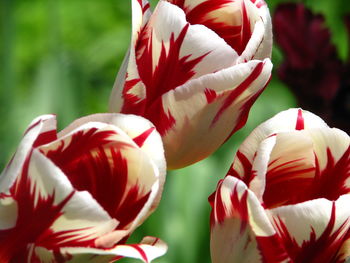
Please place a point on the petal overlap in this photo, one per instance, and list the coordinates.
(296, 169)
(204, 57)
(82, 191)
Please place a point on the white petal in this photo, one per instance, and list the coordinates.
(40, 125)
(202, 126)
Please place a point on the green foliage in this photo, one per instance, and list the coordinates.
(62, 57)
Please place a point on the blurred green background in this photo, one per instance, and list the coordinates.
(62, 57)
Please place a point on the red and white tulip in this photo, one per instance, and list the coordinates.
(194, 69)
(76, 196)
(286, 196)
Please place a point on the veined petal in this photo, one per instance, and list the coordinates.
(234, 21)
(128, 75)
(288, 170)
(325, 226)
(44, 197)
(104, 160)
(166, 54)
(147, 250)
(139, 129)
(332, 155)
(285, 121)
(206, 111)
(240, 229)
(41, 130)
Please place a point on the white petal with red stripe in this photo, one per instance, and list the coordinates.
(206, 111)
(40, 130)
(128, 187)
(315, 230)
(147, 250)
(285, 121)
(241, 231)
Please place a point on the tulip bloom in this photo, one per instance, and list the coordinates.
(286, 196)
(194, 69)
(312, 68)
(76, 196)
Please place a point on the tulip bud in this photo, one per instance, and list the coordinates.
(79, 194)
(286, 196)
(194, 69)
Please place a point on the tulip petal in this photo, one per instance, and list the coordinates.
(40, 131)
(285, 121)
(147, 250)
(209, 109)
(99, 158)
(322, 232)
(240, 229)
(235, 22)
(165, 54)
(128, 75)
(287, 169)
(135, 127)
(56, 214)
(332, 154)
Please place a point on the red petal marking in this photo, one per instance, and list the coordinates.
(245, 109)
(322, 249)
(300, 121)
(239, 90)
(210, 95)
(144, 7)
(32, 126)
(239, 208)
(248, 175)
(237, 36)
(271, 249)
(140, 251)
(131, 101)
(92, 163)
(335, 174)
(33, 219)
(45, 138)
(140, 140)
(286, 185)
(170, 72)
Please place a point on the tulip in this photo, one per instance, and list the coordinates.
(76, 196)
(286, 196)
(194, 69)
(312, 68)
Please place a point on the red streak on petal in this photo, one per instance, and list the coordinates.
(210, 95)
(239, 90)
(45, 138)
(248, 175)
(32, 126)
(300, 121)
(93, 163)
(335, 174)
(170, 72)
(239, 208)
(243, 114)
(132, 103)
(140, 251)
(237, 36)
(271, 249)
(33, 218)
(288, 184)
(246, 32)
(316, 249)
(140, 140)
